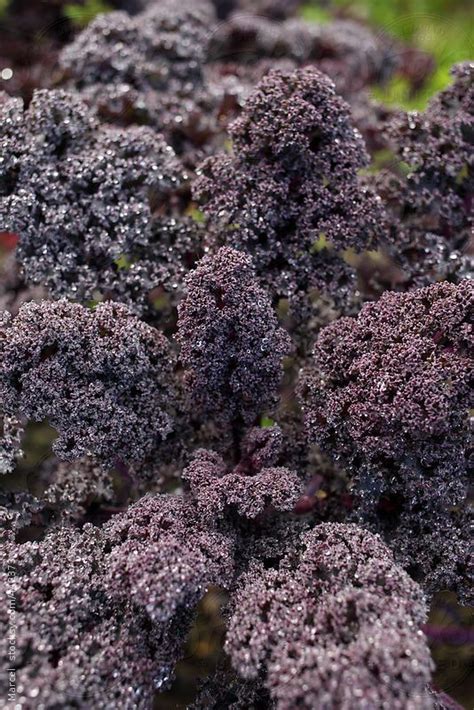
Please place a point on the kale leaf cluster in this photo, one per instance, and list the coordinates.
(236, 357)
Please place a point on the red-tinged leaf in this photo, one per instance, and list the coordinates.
(8, 241)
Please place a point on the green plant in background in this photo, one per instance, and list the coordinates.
(3, 7)
(443, 28)
(80, 14)
(314, 13)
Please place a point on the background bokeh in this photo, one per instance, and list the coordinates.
(442, 28)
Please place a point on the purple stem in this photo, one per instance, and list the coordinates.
(128, 478)
(308, 501)
(448, 703)
(455, 635)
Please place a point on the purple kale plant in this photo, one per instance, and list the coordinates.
(389, 393)
(92, 204)
(333, 615)
(289, 193)
(148, 69)
(93, 625)
(429, 192)
(231, 343)
(216, 490)
(347, 51)
(101, 377)
(259, 411)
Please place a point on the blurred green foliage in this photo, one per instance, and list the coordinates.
(3, 6)
(443, 28)
(313, 12)
(81, 13)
